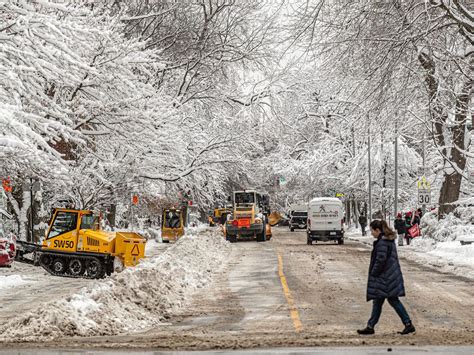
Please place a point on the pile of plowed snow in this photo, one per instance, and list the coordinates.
(132, 300)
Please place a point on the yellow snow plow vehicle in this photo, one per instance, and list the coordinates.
(172, 225)
(274, 218)
(249, 217)
(75, 246)
(219, 216)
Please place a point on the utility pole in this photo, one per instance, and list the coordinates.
(423, 207)
(370, 170)
(32, 226)
(396, 168)
(353, 142)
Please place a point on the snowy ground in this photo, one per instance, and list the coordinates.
(135, 299)
(447, 256)
(11, 281)
(202, 293)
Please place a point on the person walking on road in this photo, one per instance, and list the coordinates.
(363, 223)
(385, 278)
(401, 228)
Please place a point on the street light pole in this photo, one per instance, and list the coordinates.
(424, 168)
(396, 168)
(32, 226)
(353, 142)
(370, 169)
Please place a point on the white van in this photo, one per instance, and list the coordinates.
(325, 220)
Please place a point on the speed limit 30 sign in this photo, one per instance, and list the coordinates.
(424, 197)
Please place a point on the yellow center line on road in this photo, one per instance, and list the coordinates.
(289, 299)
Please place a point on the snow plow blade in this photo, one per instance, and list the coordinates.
(129, 247)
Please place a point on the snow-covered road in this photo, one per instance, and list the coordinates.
(42, 307)
(281, 293)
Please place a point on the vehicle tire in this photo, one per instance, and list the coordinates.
(76, 267)
(95, 268)
(292, 229)
(309, 241)
(262, 237)
(59, 265)
(166, 241)
(340, 241)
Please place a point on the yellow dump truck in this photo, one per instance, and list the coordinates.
(75, 246)
(172, 225)
(249, 217)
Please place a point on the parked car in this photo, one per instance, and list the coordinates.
(325, 220)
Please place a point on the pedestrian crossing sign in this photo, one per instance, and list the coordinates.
(424, 184)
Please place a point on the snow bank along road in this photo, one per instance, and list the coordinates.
(286, 293)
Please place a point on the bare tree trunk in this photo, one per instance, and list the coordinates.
(21, 210)
(452, 179)
(454, 159)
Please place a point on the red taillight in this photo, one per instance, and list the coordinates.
(235, 223)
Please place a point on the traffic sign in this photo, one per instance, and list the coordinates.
(424, 197)
(424, 191)
(424, 184)
(6, 183)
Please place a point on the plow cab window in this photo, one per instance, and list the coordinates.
(63, 223)
(172, 219)
(244, 198)
(89, 221)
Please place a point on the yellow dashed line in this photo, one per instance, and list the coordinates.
(291, 303)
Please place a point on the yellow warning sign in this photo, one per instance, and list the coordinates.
(424, 184)
(135, 250)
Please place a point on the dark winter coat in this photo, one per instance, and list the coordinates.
(385, 275)
(408, 223)
(363, 220)
(400, 226)
(416, 220)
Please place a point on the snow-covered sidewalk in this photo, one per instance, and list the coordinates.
(135, 299)
(449, 256)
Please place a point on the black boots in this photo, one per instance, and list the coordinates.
(409, 328)
(366, 331)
